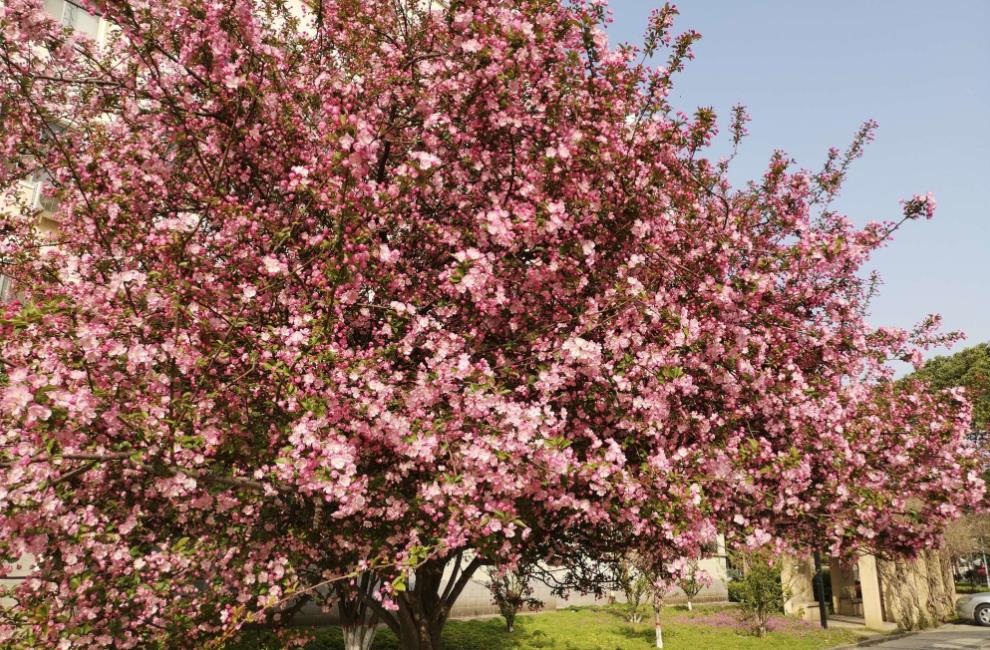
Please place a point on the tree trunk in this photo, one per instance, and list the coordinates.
(421, 610)
(417, 633)
(358, 621)
(425, 606)
(690, 609)
(657, 605)
(359, 637)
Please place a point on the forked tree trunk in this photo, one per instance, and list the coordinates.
(358, 621)
(425, 606)
(359, 637)
(420, 631)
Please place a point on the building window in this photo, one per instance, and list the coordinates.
(74, 16)
(6, 289)
(35, 187)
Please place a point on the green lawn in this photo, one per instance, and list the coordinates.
(599, 628)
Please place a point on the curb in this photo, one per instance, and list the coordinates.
(875, 640)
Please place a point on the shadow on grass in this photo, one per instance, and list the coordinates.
(648, 635)
(480, 634)
(620, 612)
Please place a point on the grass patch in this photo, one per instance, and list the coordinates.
(599, 628)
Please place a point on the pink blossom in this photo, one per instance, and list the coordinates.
(424, 159)
(16, 397)
(273, 266)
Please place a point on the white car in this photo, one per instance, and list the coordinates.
(974, 607)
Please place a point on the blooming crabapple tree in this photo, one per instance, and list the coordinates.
(694, 581)
(345, 289)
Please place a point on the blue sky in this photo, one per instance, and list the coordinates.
(811, 72)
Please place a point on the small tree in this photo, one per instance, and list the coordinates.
(694, 581)
(634, 585)
(511, 591)
(761, 593)
(660, 579)
(658, 590)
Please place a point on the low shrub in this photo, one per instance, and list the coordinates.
(734, 587)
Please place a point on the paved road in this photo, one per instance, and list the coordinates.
(947, 637)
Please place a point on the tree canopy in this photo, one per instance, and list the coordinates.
(365, 287)
(969, 369)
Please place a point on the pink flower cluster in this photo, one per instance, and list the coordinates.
(920, 205)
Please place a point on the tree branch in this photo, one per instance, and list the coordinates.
(451, 597)
(453, 575)
(385, 615)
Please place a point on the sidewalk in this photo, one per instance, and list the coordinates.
(953, 636)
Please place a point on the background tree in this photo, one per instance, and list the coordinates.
(512, 590)
(409, 288)
(634, 586)
(695, 579)
(969, 369)
(966, 540)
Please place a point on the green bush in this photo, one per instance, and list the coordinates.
(735, 590)
(761, 593)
